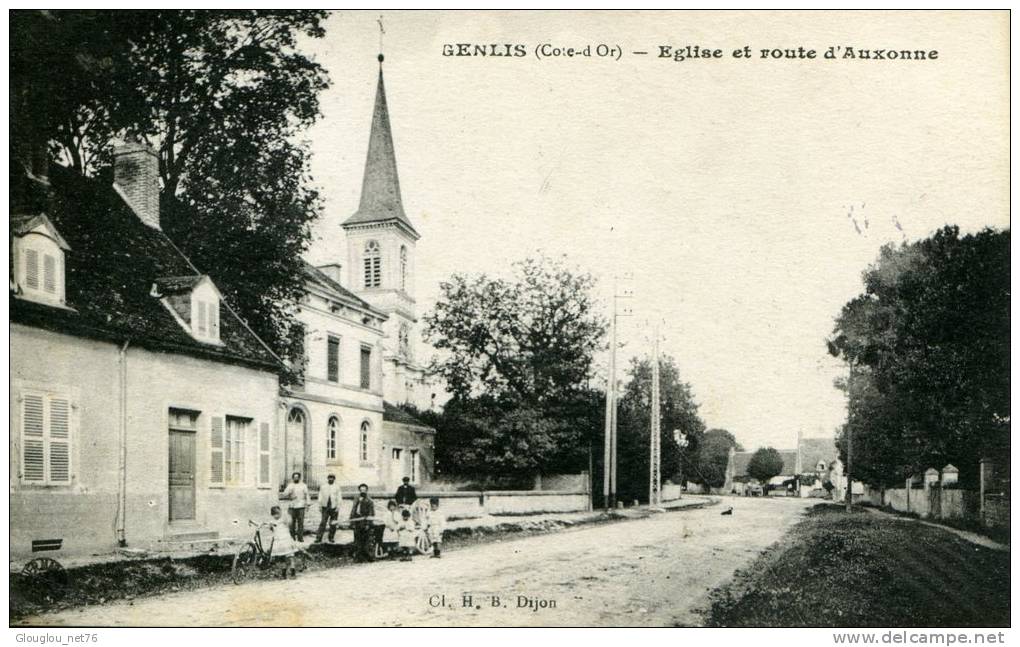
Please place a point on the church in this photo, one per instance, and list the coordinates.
(361, 329)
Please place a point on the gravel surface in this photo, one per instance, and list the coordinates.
(656, 571)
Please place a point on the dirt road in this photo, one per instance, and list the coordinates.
(651, 572)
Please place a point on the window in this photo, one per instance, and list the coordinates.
(373, 265)
(207, 319)
(414, 465)
(182, 420)
(39, 268)
(332, 434)
(366, 367)
(333, 359)
(403, 267)
(363, 441)
(395, 453)
(45, 438)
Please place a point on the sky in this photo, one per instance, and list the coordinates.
(745, 197)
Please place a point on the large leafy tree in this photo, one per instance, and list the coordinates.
(223, 96)
(710, 463)
(679, 412)
(928, 342)
(766, 463)
(517, 355)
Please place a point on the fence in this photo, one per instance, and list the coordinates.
(937, 496)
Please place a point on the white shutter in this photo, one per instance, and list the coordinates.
(49, 273)
(265, 465)
(32, 269)
(60, 440)
(214, 320)
(201, 317)
(216, 452)
(33, 450)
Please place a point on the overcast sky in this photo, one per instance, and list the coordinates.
(731, 189)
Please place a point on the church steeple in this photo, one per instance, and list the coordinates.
(380, 187)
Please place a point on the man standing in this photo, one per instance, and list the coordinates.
(362, 513)
(329, 507)
(405, 493)
(296, 493)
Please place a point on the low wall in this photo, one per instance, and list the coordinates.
(951, 504)
(671, 491)
(532, 502)
(997, 512)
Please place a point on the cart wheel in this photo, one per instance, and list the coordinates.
(380, 552)
(423, 543)
(244, 563)
(46, 578)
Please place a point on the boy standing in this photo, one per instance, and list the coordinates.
(435, 526)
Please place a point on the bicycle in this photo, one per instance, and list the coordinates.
(254, 556)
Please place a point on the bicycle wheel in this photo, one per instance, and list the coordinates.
(244, 563)
(423, 543)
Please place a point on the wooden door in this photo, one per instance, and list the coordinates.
(182, 475)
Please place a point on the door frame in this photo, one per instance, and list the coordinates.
(193, 435)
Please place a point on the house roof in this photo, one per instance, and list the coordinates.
(177, 284)
(815, 450)
(109, 272)
(317, 276)
(393, 413)
(380, 187)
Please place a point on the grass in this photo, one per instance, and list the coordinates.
(862, 570)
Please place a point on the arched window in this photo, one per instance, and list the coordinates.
(332, 437)
(373, 265)
(403, 267)
(363, 441)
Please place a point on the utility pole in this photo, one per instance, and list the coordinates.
(655, 438)
(609, 466)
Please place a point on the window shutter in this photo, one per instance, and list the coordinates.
(49, 273)
(214, 320)
(216, 453)
(33, 466)
(333, 359)
(60, 441)
(201, 317)
(32, 269)
(264, 455)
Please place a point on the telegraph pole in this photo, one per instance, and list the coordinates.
(850, 443)
(655, 463)
(609, 466)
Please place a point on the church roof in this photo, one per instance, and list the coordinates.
(380, 187)
(317, 276)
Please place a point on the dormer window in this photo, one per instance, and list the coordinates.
(194, 302)
(38, 253)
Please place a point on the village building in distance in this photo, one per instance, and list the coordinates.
(144, 410)
(814, 463)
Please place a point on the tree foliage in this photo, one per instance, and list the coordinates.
(679, 412)
(713, 457)
(530, 339)
(222, 95)
(929, 344)
(765, 464)
(517, 357)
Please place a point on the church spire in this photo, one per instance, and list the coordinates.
(380, 187)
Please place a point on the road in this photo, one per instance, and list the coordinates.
(649, 572)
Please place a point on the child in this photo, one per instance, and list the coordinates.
(435, 525)
(391, 519)
(405, 536)
(283, 543)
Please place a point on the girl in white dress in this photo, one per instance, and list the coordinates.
(283, 543)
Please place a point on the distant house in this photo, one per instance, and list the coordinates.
(811, 456)
(142, 408)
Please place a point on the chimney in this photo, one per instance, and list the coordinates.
(136, 178)
(333, 271)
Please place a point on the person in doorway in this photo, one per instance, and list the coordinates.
(329, 507)
(298, 498)
(406, 496)
(362, 517)
(435, 526)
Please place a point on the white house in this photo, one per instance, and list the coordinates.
(142, 409)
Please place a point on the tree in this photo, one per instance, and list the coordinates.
(929, 344)
(223, 96)
(713, 457)
(517, 357)
(679, 411)
(531, 338)
(765, 464)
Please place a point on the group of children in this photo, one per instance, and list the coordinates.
(400, 532)
(401, 528)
